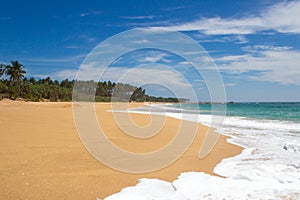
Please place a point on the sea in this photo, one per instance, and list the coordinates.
(268, 167)
(283, 111)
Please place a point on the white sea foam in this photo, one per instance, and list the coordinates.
(268, 168)
(146, 189)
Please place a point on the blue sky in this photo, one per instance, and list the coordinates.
(254, 44)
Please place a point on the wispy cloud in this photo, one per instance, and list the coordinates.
(184, 63)
(173, 8)
(238, 39)
(71, 47)
(87, 38)
(91, 12)
(264, 63)
(65, 74)
(143, 23)
(229, 84)
(241, 39)
(282, 17)
(88, 71)
(257, 48)
(143, 41)
(219, 26)
(138, 17)
(153, 57)
(84, 14)
(75, 40)
(143, 57)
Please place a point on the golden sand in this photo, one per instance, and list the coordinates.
(42, 157)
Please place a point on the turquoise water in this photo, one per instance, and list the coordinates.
(287, 111)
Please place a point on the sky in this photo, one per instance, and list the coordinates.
(254, 45)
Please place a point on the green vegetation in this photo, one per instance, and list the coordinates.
(14, 85)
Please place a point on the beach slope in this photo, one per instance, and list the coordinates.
(42, 157)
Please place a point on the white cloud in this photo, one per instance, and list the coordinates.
(219, 26)
(87, 38)
(256, 48)
(174, 8)
(71, 47)
(229, 84)
(65, 74)
(142, 41)
(88, 71)
(184, 63)
(84, 14)
(91, 12)
(282, 17)
(241, 39)
(270, 63)
(153, 57)
(234, 58)
(138, 17)
(238, 39)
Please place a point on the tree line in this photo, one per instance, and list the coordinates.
(14, 85)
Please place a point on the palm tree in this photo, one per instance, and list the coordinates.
(2, 68)
(32, 80)
(48, 81)
(16, 72)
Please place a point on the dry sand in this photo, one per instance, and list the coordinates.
(42, 157)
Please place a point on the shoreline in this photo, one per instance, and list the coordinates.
(40, 160)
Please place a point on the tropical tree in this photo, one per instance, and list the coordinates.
(138, 95)
(2, 69)
(48, 81)
(15, 72)
(32, 80)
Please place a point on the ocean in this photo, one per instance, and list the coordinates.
(286, 111)
(268, 168)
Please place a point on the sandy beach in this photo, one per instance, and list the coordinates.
(42, 157)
